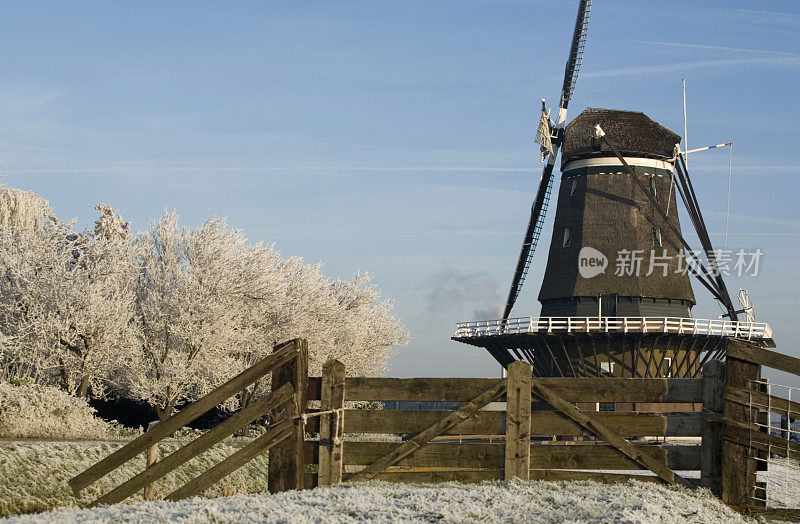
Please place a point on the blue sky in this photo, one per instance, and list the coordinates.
(395, 137)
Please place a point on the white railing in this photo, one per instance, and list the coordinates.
(686, 326)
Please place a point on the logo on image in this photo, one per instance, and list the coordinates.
(591, 262)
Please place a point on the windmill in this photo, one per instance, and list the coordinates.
(622, 178)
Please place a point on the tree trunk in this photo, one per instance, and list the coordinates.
(83, 388)
(165, 412)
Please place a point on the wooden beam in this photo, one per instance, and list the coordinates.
(601, 430)
(415, 477)
(283, 353)
(751, 436)
(606, 478)
(197, 446)
(434, 454)
(738, 469)
(484, 455)
(286, 459)
(543, 423)
(331, 427)
(788, 514)
(603, 456)
(518, 421)
(277, 433)
(763, 401)
(436, 429)
(570, 389)
(765, 357)
(713, 427)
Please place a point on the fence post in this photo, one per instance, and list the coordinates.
(518, 421)
(738, 468)
(331, 427)
(713, 427)
(152, 458)
(286, 460)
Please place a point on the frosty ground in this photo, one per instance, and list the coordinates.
(493, 501)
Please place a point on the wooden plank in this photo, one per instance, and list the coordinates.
(711, 453)
(543, 456)
(415, 477)
(220, 470)
(748, 435)
(518, 421)
(283, 353)
(543, 423)
(594, 425)
(764, 401)
(765, 357)
(606, 478)
(435, 429)
(412, 422)
(787, 514)
(738, 469)
(331, 427)
(286, 459)
(435, 454)
(604, 456)
(197, 446)
(571, 389)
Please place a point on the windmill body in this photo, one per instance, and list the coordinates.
(600, 207)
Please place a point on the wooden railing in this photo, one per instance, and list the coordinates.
(289, 372)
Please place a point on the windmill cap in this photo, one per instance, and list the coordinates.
(633, 133)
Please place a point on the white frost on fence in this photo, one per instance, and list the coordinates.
(496, 501)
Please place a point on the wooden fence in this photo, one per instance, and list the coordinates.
(748, 442)
(515, 427)
(535, 433)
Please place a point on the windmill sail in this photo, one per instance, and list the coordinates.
(542, 200)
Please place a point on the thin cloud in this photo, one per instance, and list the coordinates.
(780, 62)
(710, 47)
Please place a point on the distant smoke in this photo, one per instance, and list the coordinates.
(471, 294)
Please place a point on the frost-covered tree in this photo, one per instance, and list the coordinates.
(67, 297)
(167, 315)
(194, 297)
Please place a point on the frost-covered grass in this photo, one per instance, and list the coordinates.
(36, 411)
(33, 476)
(495, 501)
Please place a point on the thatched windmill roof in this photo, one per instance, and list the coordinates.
(632, 132)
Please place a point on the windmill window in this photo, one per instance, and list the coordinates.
(657, 237)
(666, 367)
(574, 187)
(653, 191)
(566, 238)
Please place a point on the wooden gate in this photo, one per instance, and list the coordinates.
(520, 427)
(288, 365)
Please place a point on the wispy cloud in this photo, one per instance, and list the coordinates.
(686, 45)
(784, 62)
